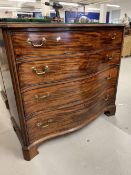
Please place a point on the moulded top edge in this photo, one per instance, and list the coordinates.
(56, 25)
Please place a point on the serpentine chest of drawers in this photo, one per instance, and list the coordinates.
(58, 77)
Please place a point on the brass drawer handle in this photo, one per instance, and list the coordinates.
(43, 42)
(44, 124)
(109, 57)
(106, 98)
(45, 70)
(113, 36)
(38, 97)
(40, 125)
(109, 77)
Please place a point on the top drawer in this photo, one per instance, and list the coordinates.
(44, 44)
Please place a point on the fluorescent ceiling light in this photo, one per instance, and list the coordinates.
(69, 4)
(10, 8)
(39, 9)
(30, 13)
(52, 10)
(23, 0)
(111, 5)
(93, 9)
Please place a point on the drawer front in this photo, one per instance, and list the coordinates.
(77, 91)
(68, 117)
(43, 44)
(61, 69)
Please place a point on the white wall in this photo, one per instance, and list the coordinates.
(115, 16)
(125, 8)
(6, 14)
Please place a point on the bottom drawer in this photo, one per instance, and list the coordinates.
(67, 117)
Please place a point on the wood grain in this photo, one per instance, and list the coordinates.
(80, 85)
(39, 25)
(67, 94)
(60, 69)
(68, 116)
(75, 41)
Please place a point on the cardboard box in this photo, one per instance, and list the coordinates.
(127, 46)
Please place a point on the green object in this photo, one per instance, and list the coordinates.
(47, 20)
(87, 23)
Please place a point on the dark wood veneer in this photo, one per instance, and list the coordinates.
(62, 68)
(56, 96)
(70, 41)
(78, 67)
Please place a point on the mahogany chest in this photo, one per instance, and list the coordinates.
(58, 77)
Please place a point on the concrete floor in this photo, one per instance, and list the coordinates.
(101, 148)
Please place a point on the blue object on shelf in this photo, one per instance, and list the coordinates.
(71, 15)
